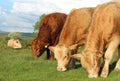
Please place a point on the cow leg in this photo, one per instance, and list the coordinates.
(72, 64)
(108, 56)
(72, 61)
(48, 53)
(117, 67)
(51, 56)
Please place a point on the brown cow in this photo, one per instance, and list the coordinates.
(103, 38)
(50, 29)
(72, 36)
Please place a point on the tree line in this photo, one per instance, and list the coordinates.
(37, 25)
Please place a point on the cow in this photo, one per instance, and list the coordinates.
(102, 41)
(49, 31)
(14, 43)
(72, 37)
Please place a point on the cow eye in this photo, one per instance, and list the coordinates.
(65, 57)
(16, 41)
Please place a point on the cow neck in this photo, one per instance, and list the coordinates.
(44, 38)
(93, 42)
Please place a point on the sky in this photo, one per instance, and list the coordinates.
(21, 15)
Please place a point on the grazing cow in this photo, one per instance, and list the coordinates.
(72, 36)
(103, 39)
(49, 31)
(14, 43)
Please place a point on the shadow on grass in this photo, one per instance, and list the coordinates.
(112, 66)
(78, 66)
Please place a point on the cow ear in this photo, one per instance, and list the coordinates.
(51, 48)
(99, 54)
(72, 47)
(76, 56)
(46, 46)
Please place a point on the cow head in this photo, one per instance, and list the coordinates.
(90, 61)
(38, 47)
(62, 55)
(17, 44)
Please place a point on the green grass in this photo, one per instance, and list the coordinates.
(19, 65)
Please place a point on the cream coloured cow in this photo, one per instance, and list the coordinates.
(14, 43)
(103, 38)
(72, 36)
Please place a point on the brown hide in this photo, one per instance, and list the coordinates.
(103, 38)
(49, 31)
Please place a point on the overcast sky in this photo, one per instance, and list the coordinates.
(20, 15)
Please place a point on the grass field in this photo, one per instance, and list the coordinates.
(19, 65)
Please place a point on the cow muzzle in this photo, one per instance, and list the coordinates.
(61, 68)
(93, 75)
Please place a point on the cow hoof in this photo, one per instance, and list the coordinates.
(117, 69)
(51, 57)
(93, 76)
(103, 75)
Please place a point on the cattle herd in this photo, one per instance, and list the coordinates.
(98, 28)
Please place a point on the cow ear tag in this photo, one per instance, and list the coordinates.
(46, 46)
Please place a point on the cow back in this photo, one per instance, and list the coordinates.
(76, 26)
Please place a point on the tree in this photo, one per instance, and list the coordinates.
(14, 35)
(37, 25)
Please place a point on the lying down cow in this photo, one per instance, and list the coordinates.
(14, 43)
(72, 36)
(103, 39)
(49, 31)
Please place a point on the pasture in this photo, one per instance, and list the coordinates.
(19, 65)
